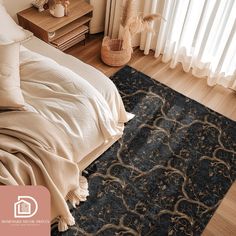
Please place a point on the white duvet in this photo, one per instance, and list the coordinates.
(64, 97)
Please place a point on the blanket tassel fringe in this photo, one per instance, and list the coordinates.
(63, 222)
(74, 197)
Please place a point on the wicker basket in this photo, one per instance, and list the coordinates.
(112, 53)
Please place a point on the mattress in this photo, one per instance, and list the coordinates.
(91, 141)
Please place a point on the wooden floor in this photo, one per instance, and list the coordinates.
(223, 223)
(218, 98)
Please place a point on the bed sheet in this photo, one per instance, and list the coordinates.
(87, 133)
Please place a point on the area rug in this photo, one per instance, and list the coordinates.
(168, 173)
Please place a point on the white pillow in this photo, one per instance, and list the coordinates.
(10, 30)
(10, 92)
(11, 35)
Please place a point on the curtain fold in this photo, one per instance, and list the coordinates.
(199, 34)
(113, 17)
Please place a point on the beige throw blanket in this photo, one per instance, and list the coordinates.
(41, 154)
(66, 119)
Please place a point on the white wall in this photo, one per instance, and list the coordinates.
(97, 23)
(14, 6)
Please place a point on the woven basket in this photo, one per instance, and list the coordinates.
(112, 53)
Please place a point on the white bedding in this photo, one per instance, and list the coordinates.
(85, 102)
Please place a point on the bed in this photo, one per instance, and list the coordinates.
(71, 114)
(97, 144)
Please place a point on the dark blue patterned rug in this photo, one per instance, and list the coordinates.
(168, 173)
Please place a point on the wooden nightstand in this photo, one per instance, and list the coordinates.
(63, 32)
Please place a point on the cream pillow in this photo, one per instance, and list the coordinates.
(11, 35)
(10, 92)
(9, 29)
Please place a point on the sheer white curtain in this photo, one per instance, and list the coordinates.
(199, 34)
(113, 16)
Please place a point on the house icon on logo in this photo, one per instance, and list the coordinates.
(23, 207)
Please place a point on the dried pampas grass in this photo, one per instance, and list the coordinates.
(127, 40)
(136, 25)
(139, 24)
(152, 17)
(129, 11)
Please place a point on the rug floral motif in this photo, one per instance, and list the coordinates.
(167, 174)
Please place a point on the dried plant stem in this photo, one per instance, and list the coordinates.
(128, 11)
